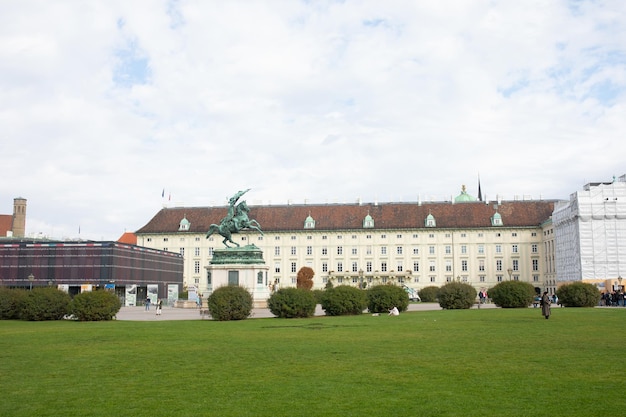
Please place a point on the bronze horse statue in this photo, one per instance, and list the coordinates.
(234, 222)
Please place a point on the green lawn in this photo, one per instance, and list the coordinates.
(489, 362)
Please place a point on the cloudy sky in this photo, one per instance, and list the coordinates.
(110, 110)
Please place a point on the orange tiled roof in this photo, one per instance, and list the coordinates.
(350, 216)
(129, 238)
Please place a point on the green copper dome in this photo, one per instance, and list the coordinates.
(464, 197)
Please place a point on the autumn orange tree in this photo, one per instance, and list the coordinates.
(305, 278)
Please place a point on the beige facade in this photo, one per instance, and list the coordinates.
(396, 243)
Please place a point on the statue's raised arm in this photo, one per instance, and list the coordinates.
(235, 221)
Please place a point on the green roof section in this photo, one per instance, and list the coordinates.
(464, 197)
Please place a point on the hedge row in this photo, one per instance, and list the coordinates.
(49, 303)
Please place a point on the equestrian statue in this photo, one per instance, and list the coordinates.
(235, 221)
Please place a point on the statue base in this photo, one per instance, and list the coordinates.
(247, 255)
(243, 266)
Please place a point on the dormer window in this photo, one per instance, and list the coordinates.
(309, 222)
(368, 222)
(184, 225)
(430, 221)
(496, 220)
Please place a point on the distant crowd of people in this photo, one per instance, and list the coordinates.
(612, 299)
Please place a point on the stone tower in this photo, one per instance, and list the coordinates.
(19, 217)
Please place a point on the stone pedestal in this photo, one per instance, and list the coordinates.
(243, 266)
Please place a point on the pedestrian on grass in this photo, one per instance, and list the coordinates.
(545, 305)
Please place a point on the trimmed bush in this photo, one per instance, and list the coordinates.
(578, 294)
(512, 294)
(292, 303)
(45, 303)
(428, 294)
(95, 306)
(230, 303)
(456, 295)
(11, 302)
(382, 298)
(318, 296)
(344, 300)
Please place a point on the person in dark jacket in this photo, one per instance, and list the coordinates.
(545, 305)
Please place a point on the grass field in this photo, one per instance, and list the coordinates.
(491, 362)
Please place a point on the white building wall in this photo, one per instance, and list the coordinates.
(454, 254)
(591, 232)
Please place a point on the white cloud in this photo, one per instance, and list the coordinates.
(104, 104)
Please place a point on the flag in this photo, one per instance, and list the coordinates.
(163, 193)
(79, 229)
(170, 197)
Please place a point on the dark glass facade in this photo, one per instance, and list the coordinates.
(95, 263)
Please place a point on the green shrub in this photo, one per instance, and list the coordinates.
(578, 294)
(456, 295)
(382, 298)
(230, 303)
(11, 302)
(95, 306)
(318, 296)
(512, 294)
(428, 294)
(344, 300)
(292, 303)
(45, 303)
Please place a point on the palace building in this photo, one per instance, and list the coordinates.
(416, 244)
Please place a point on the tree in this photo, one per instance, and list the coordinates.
(305, 278)
(578, 294)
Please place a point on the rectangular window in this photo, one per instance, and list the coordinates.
(196, 267)
(498, 264)
(355, 267)
(481, 265)
(324, 266)
(432, 279)
(383, 266)
(464, 265)
(498, 248)
(383, 250)
(368, 250)
(448, 249)
(197, 251)
(481, 249)
(368, 266)
(182, 251)
(431, 250)
(416, 251)
(309, 250)
(399, 250)
(463, 248)
(535, 265)
(534, 248)
(339, 250)
(324, 251)
(211, 251)
(354, 251)
(293, 267)
(431, 267)
(416, 266)
(515, 265)
(276, 250)
(277, 267)
(293, 250)
(399, 266)
(448, 266)
(339, 266)
(514, 248)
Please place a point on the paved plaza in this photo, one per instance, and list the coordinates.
(171, 313)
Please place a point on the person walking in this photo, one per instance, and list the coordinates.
(545, 305)
(159, 307)
(147, 303)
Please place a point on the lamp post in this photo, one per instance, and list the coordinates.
(31, 278)
(510, 271)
